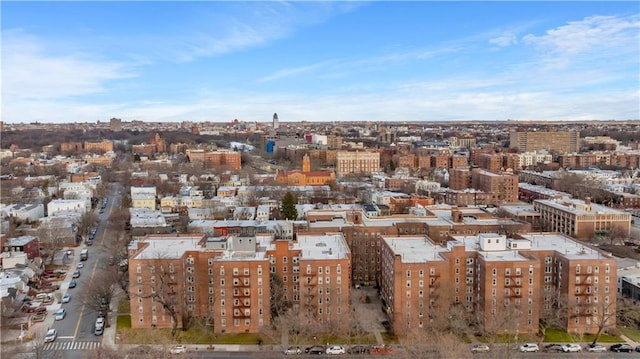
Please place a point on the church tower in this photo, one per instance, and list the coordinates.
(306, 163)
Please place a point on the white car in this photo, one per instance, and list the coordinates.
(66, 298)
(60, 314)
(596, 348)
(336, 349)
(80, 265)
(100, 322)
(178, 349)
(293, 350)
(480, 348)
(529, 347)
(571, 348)
(51, 336)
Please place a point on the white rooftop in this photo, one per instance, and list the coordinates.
(418, 249)
(322, 246)
(168, 247)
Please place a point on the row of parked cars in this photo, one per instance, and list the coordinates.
(574, 348)
(338, 350)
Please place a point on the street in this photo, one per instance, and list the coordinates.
(76, 330)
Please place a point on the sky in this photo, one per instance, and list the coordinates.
(77, 62)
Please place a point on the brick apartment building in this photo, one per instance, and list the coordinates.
(99, 147)
(213, 159)
(508, 284)
(582, 219)
(364, 234)
(357, 162)
(315, 273)
(493, 188)
(226, 280)
(559, 141)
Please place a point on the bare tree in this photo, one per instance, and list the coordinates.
(604, 315)
(163, 288)
(85, 222)
(556, 315)
(102, 290)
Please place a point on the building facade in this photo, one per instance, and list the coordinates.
(583, 219)
(508, 284)
(356, 162)
(558, 141)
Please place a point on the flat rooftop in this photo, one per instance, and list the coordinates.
(414, 249)
(564, 245)
(579, 207)
(323, 246)
(168, 247)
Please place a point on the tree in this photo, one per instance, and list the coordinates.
(604, 315)
(85, 222)
(102, 290)
(162, 288)
(279, 305)
(289, 206)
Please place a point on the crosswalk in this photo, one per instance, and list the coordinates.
(72, 345)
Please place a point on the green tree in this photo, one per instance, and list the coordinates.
(289, 206)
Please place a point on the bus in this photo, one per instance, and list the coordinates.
(84, 254)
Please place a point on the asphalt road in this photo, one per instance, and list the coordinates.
(76, 330)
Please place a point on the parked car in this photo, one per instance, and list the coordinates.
(51, 336)
(315, 350)
(552, 348)
(76, 274)
(480, 348)
(100, 322)
(178, 349)
(529, 347)
(571, 348)
(380, 349)
(336, 349)
(72, 284)
(60, 314)
(358, 349)
(621, 348)
(638, 348)
(80, 265)
(294, 350)
(595, 348)
(40, 317)
(98, 331)
(66, 298)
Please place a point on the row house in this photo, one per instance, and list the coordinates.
(24, 212)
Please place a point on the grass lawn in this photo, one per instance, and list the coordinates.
(123, 322)
(559, 336)
(124, 306)
(632, 333)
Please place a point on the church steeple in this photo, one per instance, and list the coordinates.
(306, 163)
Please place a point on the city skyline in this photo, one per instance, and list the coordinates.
(320, 61)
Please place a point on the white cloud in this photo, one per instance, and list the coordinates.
(29, 72)
(504, 40)
(592, 34)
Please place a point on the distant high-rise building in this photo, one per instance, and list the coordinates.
(276, 124)
(115, 124)
(560, 141)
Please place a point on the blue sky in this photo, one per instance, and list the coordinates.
(320, 61)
